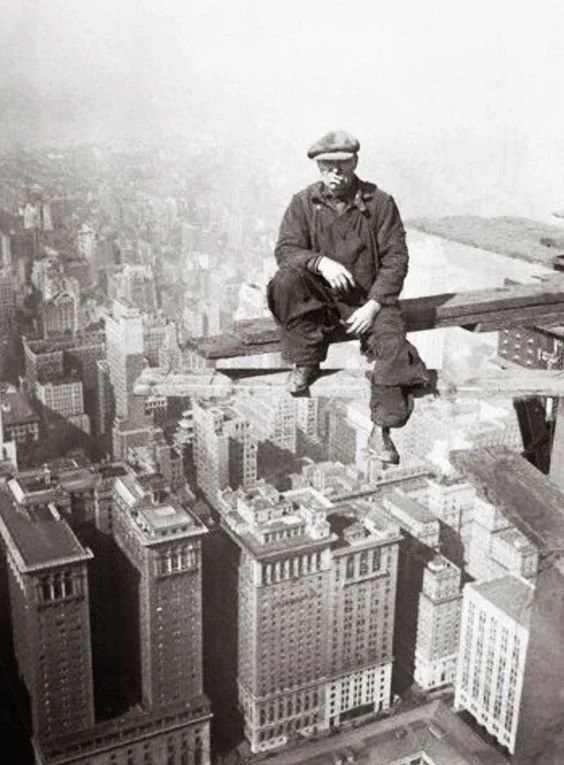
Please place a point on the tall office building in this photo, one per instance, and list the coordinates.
(313, 621)
(125, 356)
(364, 558)
(162, 541)
(225, 449)
(419, 545)
(143, 611)
(7, 303)
(48, 579)
(493, 651)
(438, 624)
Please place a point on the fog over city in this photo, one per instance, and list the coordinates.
(458, 105)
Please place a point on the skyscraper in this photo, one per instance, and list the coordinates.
(493, 650)
(225, 449)
(315, 589)
(438, 624)
(125, 356)
(145, 613)
(48, 581)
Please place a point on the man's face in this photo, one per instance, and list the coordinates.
(337, 174)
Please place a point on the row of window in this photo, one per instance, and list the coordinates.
(58, 586)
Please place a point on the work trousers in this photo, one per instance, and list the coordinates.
(311, 315)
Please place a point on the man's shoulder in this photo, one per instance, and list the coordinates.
(372, 192)
(310, 193)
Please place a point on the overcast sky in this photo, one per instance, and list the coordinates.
(474, 82)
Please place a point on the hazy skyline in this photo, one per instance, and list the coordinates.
(460, 96)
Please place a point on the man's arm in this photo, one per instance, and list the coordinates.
(294, 244)
(390, 236)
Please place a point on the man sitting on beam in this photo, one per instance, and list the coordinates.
(342, 261)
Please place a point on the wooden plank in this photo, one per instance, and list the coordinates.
(525, 496)
(520, 238)
(483, 310)
(208, 384)
(490, 383)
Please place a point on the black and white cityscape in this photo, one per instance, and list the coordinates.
(203, 569)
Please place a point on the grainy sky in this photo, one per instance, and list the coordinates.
(478, 83)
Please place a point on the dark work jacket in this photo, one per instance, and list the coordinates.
(368, 238)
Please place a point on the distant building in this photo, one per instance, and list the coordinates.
(534, 347)
(185, 430)
(126, 361)
(20, 420)
(8, 450)
(225, 449)
(155, 332)
(7, 304)
(497, 548)
(65, 398)
(136, 285)
(63, 359)
(60, 314)
(438, 624)
(493, 650)
(272, 419)
(453, 501)
(330, 478)
(307, 417)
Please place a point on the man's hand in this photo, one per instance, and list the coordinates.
(361, 320)
(339, 277)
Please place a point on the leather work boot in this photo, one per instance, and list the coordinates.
(381, 446)
(301, 377)
(428, 386)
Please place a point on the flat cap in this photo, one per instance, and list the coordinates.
(338, 144)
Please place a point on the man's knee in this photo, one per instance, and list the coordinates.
(390, 406)
(288, 278)
(389, 322)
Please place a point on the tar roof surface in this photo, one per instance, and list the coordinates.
(511, 595)
(39, 536)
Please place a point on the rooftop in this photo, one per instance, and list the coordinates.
(408, 506)
(80, 479)
(515, 538)
(40, 538)
(65, 342)
(356, 521)
(160, 520)
(16, 409)
(509, 594)
(520, 238)
(432, 729)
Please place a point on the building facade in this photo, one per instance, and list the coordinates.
(316, 591)
(225, 449)
(438, 624)
(151, 571)
(493, 649)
